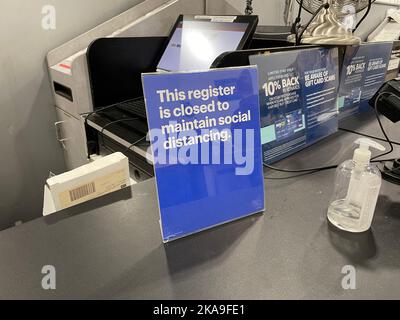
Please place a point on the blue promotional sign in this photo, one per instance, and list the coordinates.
(363, 72)
(205, 137)
(298, 91)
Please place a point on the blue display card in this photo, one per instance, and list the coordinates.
(298, 91)
(205, 137)
(363, 72)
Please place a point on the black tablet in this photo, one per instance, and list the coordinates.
(197, 40)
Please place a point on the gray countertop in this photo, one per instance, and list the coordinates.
(112, 248)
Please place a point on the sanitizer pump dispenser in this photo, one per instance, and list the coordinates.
(357, 188)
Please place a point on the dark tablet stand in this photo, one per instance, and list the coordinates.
(116, 65)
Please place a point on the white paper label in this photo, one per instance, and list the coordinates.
(394, 64)
(217, 18)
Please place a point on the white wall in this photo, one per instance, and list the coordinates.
(374, 18)
(28, 149)
(271, 12)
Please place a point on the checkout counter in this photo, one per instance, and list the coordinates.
(111, 247)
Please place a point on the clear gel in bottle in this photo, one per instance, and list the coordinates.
(357, 187)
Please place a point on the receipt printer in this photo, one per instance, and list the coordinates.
(67, 63)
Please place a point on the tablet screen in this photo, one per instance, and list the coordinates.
(194, 45)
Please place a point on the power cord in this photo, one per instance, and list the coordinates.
(87, 115)
(368, 136)
(380, 123)
(364, 16)
(110, 124)
(296, 24)
(119, 121)
(134, 144)
(310, 170)
(288, 177)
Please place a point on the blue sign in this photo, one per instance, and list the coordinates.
(363, 72)
(205, 137)
(298, 91)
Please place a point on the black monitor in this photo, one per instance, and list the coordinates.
(196, 41)
(387, 102)
(115, 67)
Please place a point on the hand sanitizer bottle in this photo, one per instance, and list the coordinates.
(357, 188)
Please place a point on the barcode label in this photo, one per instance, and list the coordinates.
(82, 192)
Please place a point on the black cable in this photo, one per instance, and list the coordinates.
(364, 16)
(134, 144)
(89, 114)
(300, 9)
(300, 170)
(368, 136)
(296, 24)
(296, 35)
(311, 171)
(290, 177)
(111, 123)
(326, 6)
(118, 121)
(380, 123)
